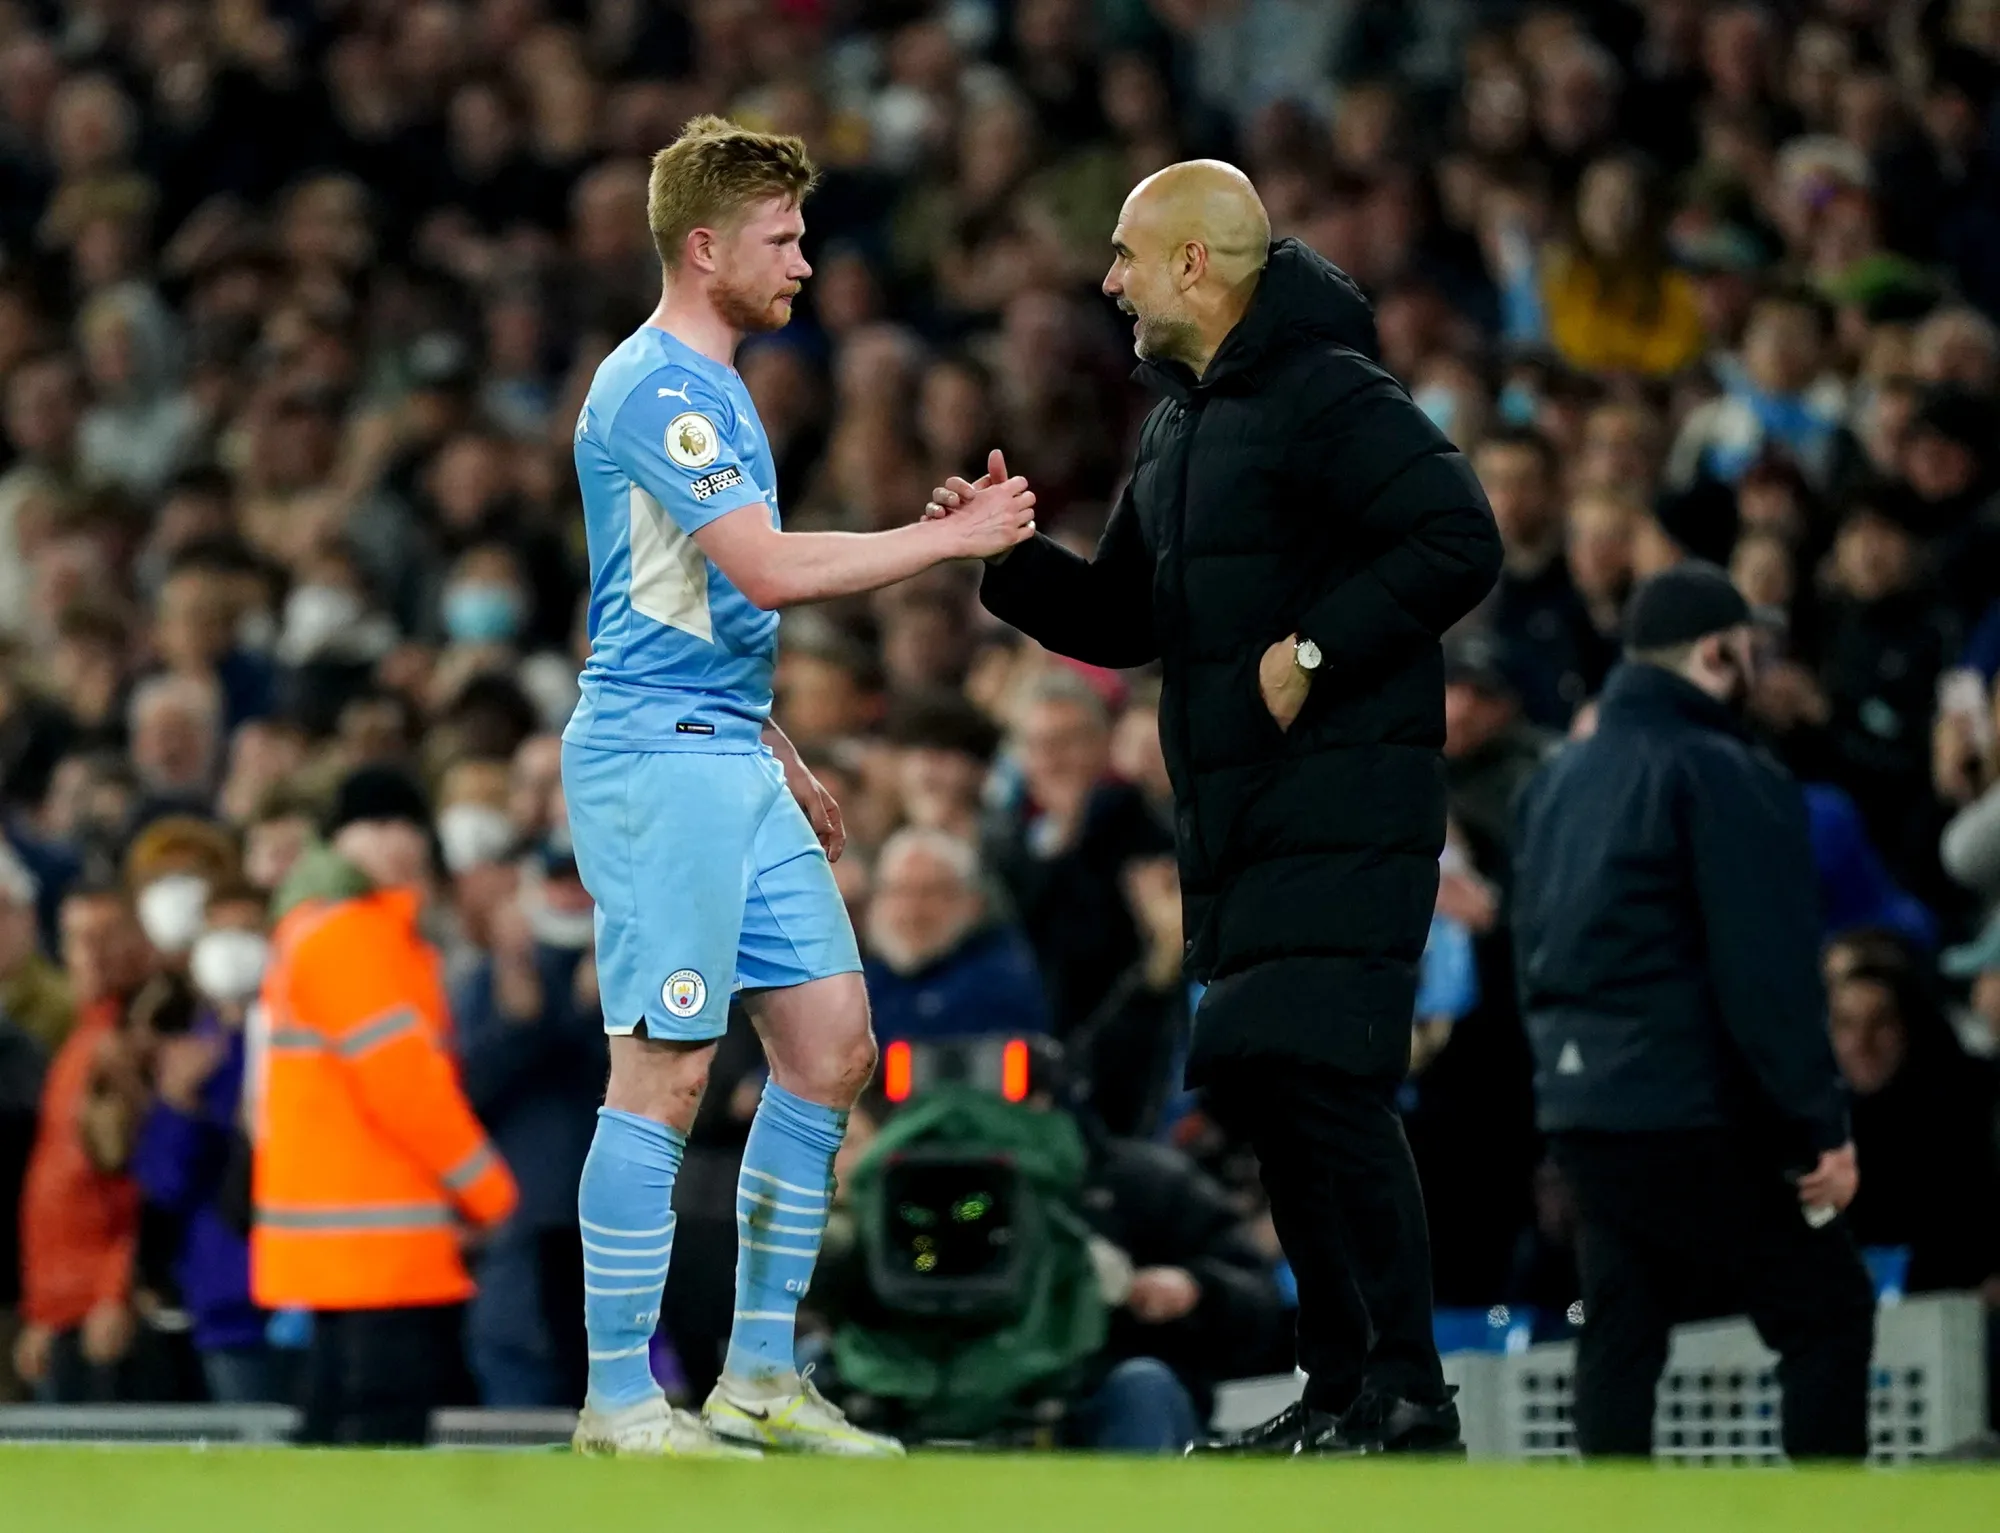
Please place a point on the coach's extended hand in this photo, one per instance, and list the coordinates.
(954, 494)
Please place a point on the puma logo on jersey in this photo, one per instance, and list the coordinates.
(680, 393)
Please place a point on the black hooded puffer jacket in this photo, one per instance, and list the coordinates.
(1294, 487)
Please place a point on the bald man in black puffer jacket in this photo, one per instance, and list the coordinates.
(1295, 538)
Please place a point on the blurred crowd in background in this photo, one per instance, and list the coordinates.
(298, 303)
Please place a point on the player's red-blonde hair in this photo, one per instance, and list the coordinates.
(712, 172)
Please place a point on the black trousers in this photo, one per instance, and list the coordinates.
(559, 1266)
(375, 1375)
(1687, 1225)
(1350, 1213)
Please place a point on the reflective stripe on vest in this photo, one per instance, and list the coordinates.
(394, 1216)
(386, 1028)
(471, 1169)
(389, 1026)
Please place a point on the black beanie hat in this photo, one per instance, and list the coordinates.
(1690, 601)
(378, 793)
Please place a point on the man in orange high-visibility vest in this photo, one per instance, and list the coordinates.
(370, 1166)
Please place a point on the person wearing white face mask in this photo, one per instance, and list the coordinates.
(534, 1064)
(170, 913)
(170, 869)
(476, 840)
(190, 1157)
(326, 617)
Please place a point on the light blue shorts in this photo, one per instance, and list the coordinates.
(707, 880)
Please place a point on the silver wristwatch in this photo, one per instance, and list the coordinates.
(1306, 656)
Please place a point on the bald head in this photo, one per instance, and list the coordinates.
(1189, 246)
(1207, 203)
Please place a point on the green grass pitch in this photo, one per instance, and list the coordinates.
(218, 1491)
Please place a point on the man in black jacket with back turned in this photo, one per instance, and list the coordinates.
(1666, 922)
(1295, 537)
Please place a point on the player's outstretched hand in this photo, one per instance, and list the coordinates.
(987, 522)
(954, 492)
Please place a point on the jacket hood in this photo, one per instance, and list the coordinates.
(1302, 299)
(321, 873)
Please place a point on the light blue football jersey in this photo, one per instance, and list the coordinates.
(679, 658)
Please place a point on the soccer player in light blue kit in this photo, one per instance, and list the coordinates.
(702, 837)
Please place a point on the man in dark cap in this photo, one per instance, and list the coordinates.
(1666, 929)
(1490, 748)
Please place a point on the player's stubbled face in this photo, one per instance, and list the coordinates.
(761, 267)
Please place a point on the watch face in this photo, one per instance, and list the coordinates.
(1307, 654)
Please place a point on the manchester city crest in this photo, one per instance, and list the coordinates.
(684, 993)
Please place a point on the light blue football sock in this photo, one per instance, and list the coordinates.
(625, 1205)
(781, 1203)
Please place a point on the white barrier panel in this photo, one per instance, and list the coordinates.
(195, 1425)
(501, 1429)
(1718, 1401)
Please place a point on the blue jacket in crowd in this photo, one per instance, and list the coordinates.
(179, 1162)
(987, 984)
(536, 1083)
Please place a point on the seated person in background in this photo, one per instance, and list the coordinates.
(1129, 1054)
(1923, 1115)
(1062, 845)
(939, 962)
(944, 747)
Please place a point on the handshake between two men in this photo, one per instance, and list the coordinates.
(1008, 505)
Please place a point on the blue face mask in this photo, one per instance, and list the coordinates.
(1518, 405)
(1440, 404)
(481, 614)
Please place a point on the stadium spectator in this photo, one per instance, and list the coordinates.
(944, 750)
(531, 1047)
(1923, 1117)
(1978, 963)
(191, 1159)
(1489, 749)
(366, 1236)
(1129, 1054)
(175, 724)
(938, 963)
(79, 1212)
(1536, 609)
(1060, 846)
(34, 995)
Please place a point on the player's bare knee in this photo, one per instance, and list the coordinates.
(833, 1072)
(661, 1081)
(857, 1067)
